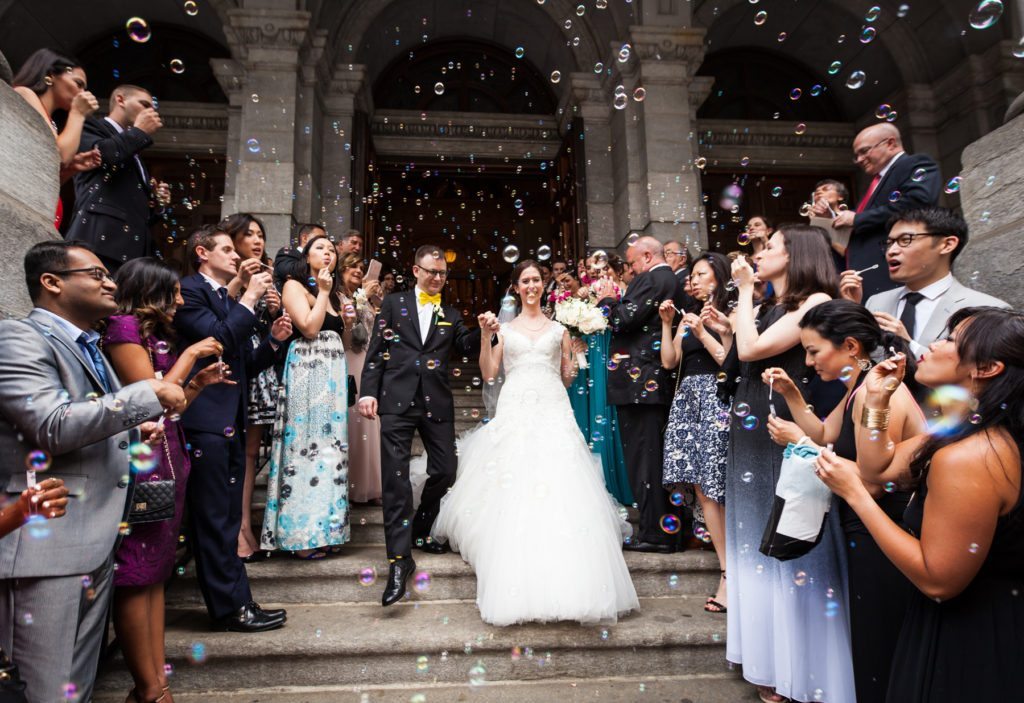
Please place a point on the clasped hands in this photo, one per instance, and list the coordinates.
(488, 322)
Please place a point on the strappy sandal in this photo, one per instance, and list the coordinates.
(713, 606)
(769, 695)
(314, 555)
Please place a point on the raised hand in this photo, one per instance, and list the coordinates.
(840, 475)
(85, 103)
(324, 280)
(883, 380)
(48, 498)
(247, 269)
(214, 373)
(743, 273)
(779, 380)
(851, 286)
(694, 322)
(715, 319)
(206, 347)
(148, 120)
(782, 432)
(273, 300)
(667, 312)
(86, 161)
(281, 330)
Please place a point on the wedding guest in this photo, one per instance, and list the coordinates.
(364, 481)
(63, 407)
(785, 642)
(698, 422)
(214, 421)
(840, 339)
(307, 490)
(961, 637)
(116, 203)
(289, 261)
(387, 283)
(759, 228)
(250, 240)
(48, 499)
(899, 182)
(351, 243)
(678, 260)
(50, 82)
(832, 194)
(140, 342)
(640, 388)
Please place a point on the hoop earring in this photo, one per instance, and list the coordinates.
(48, 81)
(864, 364)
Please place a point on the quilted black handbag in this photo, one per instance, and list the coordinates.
(153, 501)
(12, 688)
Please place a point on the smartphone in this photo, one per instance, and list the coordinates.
(373, 271)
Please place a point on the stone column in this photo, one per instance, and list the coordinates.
(229, 74)
(593, 104)
(266, 44)
(340, 101)
(307, 131)
(924, 116)
(667, 60)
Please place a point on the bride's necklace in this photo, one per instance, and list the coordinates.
(538, 328)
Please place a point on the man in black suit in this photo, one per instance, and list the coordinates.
(405, 381)
(899, 182)
(116, 204)
(640, 388)
(289, 261)
(214, 424)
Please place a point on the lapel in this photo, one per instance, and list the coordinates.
(433, 326)
(883, 185)
(408, 301)
(43, 323)
(142, 175)
(947, 305)
(212, 299)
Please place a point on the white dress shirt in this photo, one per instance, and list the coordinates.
(216, 285)
(425, 312)
(924, 310)
(885, 169)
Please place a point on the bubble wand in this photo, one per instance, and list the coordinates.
(869, 268)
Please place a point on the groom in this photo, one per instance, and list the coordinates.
(405, 381)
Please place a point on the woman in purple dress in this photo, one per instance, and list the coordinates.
(139, 340)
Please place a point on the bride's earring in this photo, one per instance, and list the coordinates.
(864, 364)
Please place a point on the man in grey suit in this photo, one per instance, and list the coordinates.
(61, 403)
(919, 253)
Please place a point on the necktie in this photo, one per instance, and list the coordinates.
(427, 299)
(909, 315)
(222, 293)
(867, 196)
(96, 357)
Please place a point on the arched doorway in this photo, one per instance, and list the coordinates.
(459, 105)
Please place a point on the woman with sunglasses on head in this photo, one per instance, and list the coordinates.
(962, 637)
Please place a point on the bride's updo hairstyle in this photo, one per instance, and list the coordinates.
(517, 273)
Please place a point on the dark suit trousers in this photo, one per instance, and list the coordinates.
(401, 527)
(215, 510)
(643, 428)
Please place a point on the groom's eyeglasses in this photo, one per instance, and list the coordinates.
(435, 273)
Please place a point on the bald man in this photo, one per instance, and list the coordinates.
(639, 387)
(899, 182)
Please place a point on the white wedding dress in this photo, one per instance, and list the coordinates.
(529, 509)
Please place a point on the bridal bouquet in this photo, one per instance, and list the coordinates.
(580, 318)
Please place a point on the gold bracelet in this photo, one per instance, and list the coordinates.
(195, 386)
(873, 419)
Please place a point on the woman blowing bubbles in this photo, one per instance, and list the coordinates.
(963, 635)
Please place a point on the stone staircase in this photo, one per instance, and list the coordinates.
(340, 645)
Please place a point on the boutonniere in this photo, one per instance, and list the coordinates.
(439, 312)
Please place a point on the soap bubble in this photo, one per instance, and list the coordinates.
(856, 80)
(953, 185)
(747, 476)
(254, 147)
(620, 101)
(670, 524)
(631, 240)
(37, 460)
(800, 578)
(776, 191)
(556, 76)
(750, 422)
(520, 52)
(676, 498)
(191, 8)
(138, 30)
(986, 14)
(142, 457)
(760, 18)
(367, 576)
(846, 374)
(639, 94)
(477, 675)
(177, 66)
(741, 409)
(543, 252)
(795, 94)
(903, 10)
(421, 582)
(624, 53)
(439, 88)
(918, 175)
(700, 162)
(198, 653)
(229, 431)
(873, 14)
(800, 129)
(883, 110)
(510, 253)
(162, 348)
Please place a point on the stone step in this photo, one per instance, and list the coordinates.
(357, 576)
(437, 642)
(698, 688)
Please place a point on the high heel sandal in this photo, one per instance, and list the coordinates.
(713, 606)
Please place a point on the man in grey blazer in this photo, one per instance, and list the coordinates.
(61, 402)
(920, 250)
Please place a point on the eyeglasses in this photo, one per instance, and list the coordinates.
(905, 239)
(94, 272)
(435, 273)
(865, 150)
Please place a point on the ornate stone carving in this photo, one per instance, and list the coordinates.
(669, 44)
(266, 30)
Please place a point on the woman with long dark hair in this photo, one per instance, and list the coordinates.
(962, 637)
(791, 644)
(50, 83)
(698, 423)
(841, 339)
(141, 344)
(307, 489)
(250, 240)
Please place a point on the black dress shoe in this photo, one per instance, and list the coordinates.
(431, 547)
(398, 574)
(271, 612)
(257, 556)
(249, 618)
(649, 547)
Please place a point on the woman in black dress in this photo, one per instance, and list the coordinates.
(963, 634)
(840, 338)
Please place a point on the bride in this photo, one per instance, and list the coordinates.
(529, 510)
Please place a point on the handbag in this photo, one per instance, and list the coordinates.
(153, 501)
(12, 688)
(802, 501)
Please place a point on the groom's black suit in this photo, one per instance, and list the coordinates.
(409, 379)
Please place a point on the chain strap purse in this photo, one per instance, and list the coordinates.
(153, 501)
(12, 688)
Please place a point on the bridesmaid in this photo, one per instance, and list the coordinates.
(698, 424)
(962, 637)
(364, 482)
(140, 342)
(250, 240)
(307, 489)
(840, 337)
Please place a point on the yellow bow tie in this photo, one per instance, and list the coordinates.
(427, 299)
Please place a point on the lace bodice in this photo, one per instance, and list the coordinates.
(521, 350)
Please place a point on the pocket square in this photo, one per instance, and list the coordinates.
(444, 324)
